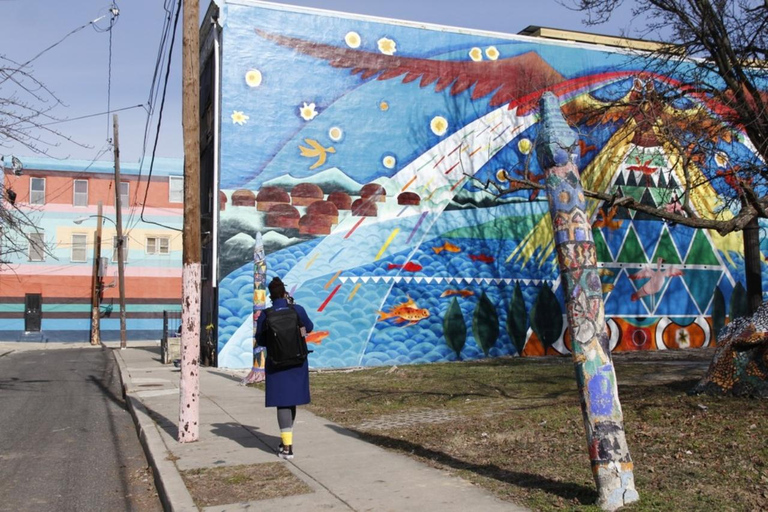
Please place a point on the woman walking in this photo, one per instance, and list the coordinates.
(287, 387)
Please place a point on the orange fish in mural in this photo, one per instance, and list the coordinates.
(410, 266)
(447, 247)
(316, 337)
(463, 293)
(482, 257)
(407, 311)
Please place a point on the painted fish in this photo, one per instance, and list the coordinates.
(482, 257)
(316, 337)
(409, 267)
(463, 293)
(448, 247)
(607, 287)
(408, 311)
(316, 151)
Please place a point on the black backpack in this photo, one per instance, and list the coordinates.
(282, 335)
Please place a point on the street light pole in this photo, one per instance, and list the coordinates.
(96, 283)
(120, 241)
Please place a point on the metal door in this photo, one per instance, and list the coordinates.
(33, 311)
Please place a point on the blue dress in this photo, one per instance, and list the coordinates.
(289, 386)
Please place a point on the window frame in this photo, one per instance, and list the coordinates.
(31, 190)
(125, 199)
(171, 198)
(39, 244)
(114, 249)
(157, 245)
(75, 193)
(83, 246)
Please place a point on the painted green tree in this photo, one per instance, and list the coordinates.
(454, 328)
(485, 324)
(547, 317)
(739, 302)
(517, 319)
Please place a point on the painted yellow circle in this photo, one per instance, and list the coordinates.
(438, 125)
(335, 133)
(383, 106)
(253, 78)
(502, 175)
(492, 53)
(389, 162)
(524, 145)
(352, 39)
(476, 54)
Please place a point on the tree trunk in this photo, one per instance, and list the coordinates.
(752, 261)
(557, 151)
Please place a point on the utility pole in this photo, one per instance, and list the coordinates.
(119, 224)
(189, 386)
(96, 281)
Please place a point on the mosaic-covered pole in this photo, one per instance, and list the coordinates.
(259, 303)
(557, 150)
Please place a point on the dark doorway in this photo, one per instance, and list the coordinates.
(33, 312)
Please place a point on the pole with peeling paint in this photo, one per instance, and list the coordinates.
(189, 385)
(558, 154)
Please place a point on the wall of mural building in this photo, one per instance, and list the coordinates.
(46, 285)
(368, 154)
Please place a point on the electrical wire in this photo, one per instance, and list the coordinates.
(141, 105)
(159, 123)
(154, 90)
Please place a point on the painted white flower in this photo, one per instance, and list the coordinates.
(492, 53)
(239, 118)
(438, 125)
(525, 146)
(307, 111)
(383, 106)
(352, 39)
(253, 78)
(476, 54)
(335, 133)
(389, 162)
(387, 46)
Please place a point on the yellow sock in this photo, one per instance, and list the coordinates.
(286, 438)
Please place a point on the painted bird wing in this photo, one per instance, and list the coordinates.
(508, 79)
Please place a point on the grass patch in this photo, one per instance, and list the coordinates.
(238, 484)
(514, 427)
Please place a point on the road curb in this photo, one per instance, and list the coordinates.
(170, 487)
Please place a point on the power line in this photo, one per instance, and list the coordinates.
(159, 123)
(141, 105)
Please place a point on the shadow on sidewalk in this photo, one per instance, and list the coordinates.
(246, 436)
(566, 490)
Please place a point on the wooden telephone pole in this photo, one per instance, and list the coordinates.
(96, 281)
(120, 239)
(189, 386)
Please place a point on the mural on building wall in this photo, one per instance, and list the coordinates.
(366, 153)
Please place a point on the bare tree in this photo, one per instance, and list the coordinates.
(26, 113)
(718, 60)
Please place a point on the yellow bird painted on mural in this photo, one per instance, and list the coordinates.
(316, 151)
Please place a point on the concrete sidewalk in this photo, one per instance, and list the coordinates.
(343, 472)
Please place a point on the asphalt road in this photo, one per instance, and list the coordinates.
(67, 441)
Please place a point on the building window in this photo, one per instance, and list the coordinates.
(36, 190)
(125, 188)
(114, 249)
(158, 245)
(79, 244)
(81, 193)
(175, 189)
(36, 246)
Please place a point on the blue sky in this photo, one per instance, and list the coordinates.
(77, 69)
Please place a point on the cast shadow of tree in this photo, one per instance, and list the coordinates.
(566, 490)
